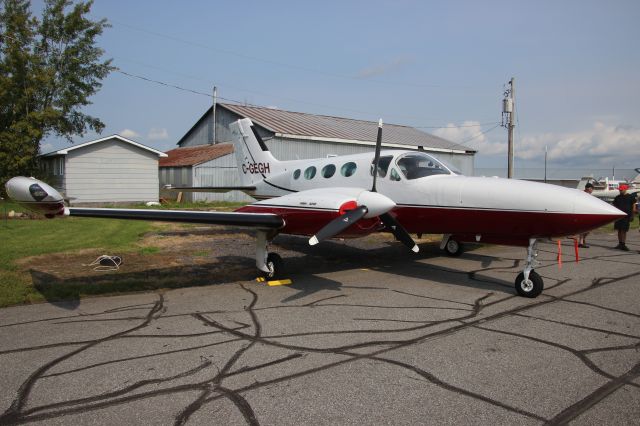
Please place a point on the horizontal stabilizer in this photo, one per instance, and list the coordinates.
(253, 220)
(209, 188)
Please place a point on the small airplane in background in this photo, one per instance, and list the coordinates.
(607, 189)
(403, 192)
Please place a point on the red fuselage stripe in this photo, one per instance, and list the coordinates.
(491, 225)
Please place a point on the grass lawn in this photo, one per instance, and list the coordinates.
(23, 238)
(20, 238)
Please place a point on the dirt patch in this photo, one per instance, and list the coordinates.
(203, 255)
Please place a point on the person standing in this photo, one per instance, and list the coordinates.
(582, 238)
(626, 203)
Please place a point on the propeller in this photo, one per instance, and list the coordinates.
(376, 158)
(379, 205)
(399, 232)
(339, 224)
(388, 220)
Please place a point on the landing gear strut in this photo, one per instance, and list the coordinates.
(270, 265)
(529, 283)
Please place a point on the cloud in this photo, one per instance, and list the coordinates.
(602, 145)
(158, 134)
(129, 134)
(381, 69)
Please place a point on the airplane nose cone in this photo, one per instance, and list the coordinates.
(376, 203)
(592, 212)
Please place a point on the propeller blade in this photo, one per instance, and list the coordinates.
(398, 230)
(339, 224)
(376, 158)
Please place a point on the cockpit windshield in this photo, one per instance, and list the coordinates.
(415, 165)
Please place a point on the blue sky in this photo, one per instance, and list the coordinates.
(421, 63)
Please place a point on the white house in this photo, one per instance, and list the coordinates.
(107, 170)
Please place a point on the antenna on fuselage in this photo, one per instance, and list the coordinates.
(376, 159)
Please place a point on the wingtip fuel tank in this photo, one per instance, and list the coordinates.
(36, 195)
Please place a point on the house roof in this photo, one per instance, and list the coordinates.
(298, 125)
(118, 137)
(194, 155)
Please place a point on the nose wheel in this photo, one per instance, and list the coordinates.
(529, 287)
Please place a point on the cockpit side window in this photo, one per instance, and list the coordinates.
(394, 175)
(383, 166)
(417, 165)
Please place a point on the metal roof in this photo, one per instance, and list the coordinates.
(118, 137)
(193, 155)
(298, 125)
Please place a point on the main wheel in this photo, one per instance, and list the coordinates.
(453, 247)
(275, 265)
(531, 287)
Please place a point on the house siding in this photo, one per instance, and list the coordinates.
(111, 171)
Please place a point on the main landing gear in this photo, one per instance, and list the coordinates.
(452, 247)
(270, 265)
(529, 283)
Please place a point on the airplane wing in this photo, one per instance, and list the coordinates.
(253, 220)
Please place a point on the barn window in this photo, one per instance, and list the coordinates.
(348, 169)
(328, 171)
(310, 172)
(296, 174)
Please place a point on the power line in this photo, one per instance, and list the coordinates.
(277, 63)
(174, 86)
(480, 134)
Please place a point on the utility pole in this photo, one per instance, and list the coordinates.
(213, 125)
(508, 113)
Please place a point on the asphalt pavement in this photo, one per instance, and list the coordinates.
(368, 337)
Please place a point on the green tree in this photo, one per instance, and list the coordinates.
(49, 68)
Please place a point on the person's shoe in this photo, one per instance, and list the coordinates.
(624, 247)
(619, 246)
(583, 245)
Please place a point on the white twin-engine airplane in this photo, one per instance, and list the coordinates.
(411, 193)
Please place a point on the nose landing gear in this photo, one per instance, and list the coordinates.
(529, 283)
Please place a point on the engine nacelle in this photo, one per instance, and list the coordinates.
(37, 196)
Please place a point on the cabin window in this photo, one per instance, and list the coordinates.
(310, 172)
(417, 165)
(328, 171)
(383, 166)
(348, 169)
(296, 174)
(394, 175)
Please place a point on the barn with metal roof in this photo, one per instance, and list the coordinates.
(201, 165)
(295, 135)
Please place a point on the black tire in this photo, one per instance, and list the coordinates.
(453, 248)
(531, 289)
(276, 264)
